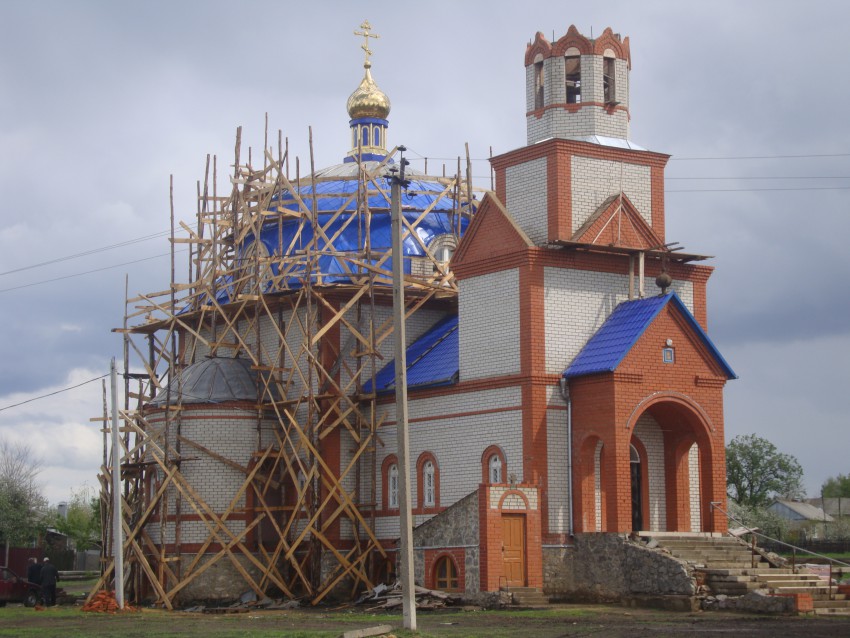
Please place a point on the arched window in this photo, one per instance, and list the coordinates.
(539, 83)
(390, 483)
(608, 80)
(445, 574)
(377, 136)
(572, 71)
(429, 485)
(495, 465)
(392, 487)
(365, 135)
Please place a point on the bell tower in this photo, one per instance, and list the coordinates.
(577, 87)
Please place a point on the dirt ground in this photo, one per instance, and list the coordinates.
(556, 621)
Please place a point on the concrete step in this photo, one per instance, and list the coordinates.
(835, 604)
(528, 596)
(799, 589)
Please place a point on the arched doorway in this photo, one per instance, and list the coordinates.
(637, 489)
(672, 465)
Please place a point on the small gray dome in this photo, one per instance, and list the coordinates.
(213, 380)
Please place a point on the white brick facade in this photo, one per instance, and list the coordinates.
(694, 488)
(457, 443)
(489, 325)
(594, 180)
(648, 432)
(577, 302)
(526, 198)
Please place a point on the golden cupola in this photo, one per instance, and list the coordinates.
(368, 108)
(368, 100)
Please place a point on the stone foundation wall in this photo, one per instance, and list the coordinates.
(609, 567)
(455, 528)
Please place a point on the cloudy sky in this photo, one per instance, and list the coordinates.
(100, 102)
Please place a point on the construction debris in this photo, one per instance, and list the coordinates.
(426, 599)
(104, 602)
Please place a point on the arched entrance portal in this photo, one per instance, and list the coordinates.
(673, 451)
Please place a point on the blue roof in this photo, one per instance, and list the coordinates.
(432, 360)
(621, 330)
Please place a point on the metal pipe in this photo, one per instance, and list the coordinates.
(565, 393)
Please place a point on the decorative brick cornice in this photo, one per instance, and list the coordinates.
(575, 108)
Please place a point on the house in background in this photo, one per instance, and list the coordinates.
(837, 507)
(806, 520)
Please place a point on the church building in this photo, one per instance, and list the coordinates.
(562, 386)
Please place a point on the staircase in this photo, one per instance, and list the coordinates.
(528, 596)
(729, 567)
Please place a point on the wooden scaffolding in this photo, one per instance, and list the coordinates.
(312, 386)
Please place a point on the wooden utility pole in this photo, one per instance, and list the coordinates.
(405, 514)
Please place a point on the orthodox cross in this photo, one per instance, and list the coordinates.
(366, 35)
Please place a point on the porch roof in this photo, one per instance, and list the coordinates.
(621, 330)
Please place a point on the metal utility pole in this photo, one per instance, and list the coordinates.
(117, 531)
(405, 514)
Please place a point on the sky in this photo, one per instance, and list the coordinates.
(102, 102)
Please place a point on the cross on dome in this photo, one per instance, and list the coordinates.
(366, 35)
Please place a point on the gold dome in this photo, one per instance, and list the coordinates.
(368, 100)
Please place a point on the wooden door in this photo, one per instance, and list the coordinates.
(513, 549)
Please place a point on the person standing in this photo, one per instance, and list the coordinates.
(49, 578)
(34, 571)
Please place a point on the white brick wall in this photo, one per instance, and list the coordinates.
(577, 302)
(526, 198)
(648, 432)
(594, 180)
(231, 433)
(597, 485)
(489, 333)
(693, 475)
(458, 443)
(556, 459)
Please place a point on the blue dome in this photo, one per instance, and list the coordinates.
(334, 192)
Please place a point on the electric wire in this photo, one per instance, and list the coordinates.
(50, 394)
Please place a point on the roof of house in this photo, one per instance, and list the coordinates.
(432, 360)
(607, 348)
(800, 510)
(833, 505)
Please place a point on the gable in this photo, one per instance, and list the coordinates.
(690, 353)
(492, 233)
(615, 340)
(617, 223)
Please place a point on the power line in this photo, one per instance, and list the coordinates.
(757, 190)
(91, 251)
(760, 157)
(50, 394)
(88, 272)
(765, 177)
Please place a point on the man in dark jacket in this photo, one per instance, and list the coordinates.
(49, 577)
(34, 571)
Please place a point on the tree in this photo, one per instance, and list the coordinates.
(22, 506)
(81, 522)
(836, 486)
(757, 472)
